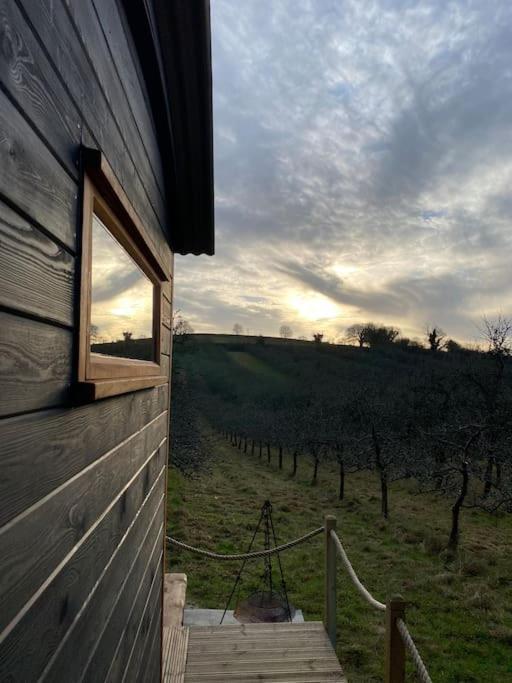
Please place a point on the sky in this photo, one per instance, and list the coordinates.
(121, 294)
(363, 168)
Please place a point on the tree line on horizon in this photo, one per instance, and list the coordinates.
(369, 334)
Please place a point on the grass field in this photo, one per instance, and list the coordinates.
(460, 612)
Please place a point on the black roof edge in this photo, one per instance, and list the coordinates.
(173, 42)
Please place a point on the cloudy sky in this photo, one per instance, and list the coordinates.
(121, 294)
(363, 167)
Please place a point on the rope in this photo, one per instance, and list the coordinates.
(355, 580)
(409, 643)
(244, 556)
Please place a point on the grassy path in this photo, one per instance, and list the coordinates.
(460, 612)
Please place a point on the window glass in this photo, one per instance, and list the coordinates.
(121, 300)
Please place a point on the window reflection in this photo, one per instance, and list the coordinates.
(121, 300)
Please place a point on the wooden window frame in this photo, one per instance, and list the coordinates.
(100, 376)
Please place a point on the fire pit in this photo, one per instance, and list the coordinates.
(263, 607)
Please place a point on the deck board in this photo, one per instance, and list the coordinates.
(174, 653)
(283, 653)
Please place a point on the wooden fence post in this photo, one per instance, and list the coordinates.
(330, 579)
(395, 648)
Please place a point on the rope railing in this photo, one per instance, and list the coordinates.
(421, 669)
(244, 556)
(397, 635)
(363, 591)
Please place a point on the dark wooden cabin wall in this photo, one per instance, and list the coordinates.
(82, 489)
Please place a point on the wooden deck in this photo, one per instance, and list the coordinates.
(285, 653)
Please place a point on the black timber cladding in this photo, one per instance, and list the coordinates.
(82, 489)
(173, 42)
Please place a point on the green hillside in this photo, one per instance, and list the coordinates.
(322, 429)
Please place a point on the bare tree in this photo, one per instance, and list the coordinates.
(181, 328)
(317, 337)
(238, 329)
(452, 479)
(127, 335)
(285, 331)
(497, 333)
(435, 338)
(356, 334)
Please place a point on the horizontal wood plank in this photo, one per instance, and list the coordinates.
(149, 625)
(55, 445)
(35, 545)
(59, 631)
(125, 60)
(56, 32)
(289, 676)
(32, 178)
(94, 44)
(36, 274)
(312, 663)
(231, 650)
(274, 628)
(96, 389)
(152, 673)
(33, 83)
(154, 639)
(114, 647)
(35, 365)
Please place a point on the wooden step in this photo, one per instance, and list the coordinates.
(285, 653)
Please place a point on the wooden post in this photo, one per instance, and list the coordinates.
(395, 648)
(330, 579)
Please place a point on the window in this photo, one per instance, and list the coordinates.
(120, 298)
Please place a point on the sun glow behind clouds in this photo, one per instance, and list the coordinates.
(363, 160)
(312, 306)
(121, 294)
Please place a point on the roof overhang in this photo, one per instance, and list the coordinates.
(173, 42)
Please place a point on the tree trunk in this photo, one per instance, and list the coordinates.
(252, 446)
(498, 475)
(240, 443)
(315, 471)
(384, 507)
(439, 461)
(342, 481)
(268, 453)
(453, 541)
(295, 456)
(488, 476)
(280, 457)
(245, 444)
(384, 494)
(261, 450)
